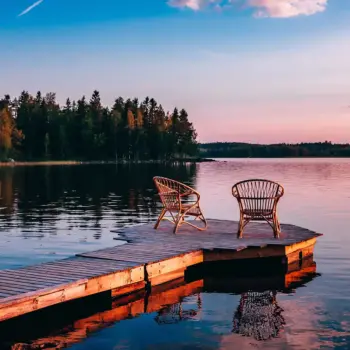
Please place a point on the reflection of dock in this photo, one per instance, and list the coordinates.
(151, 257)
(277, 281)
(164, 300)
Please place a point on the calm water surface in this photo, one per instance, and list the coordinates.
(49, 213)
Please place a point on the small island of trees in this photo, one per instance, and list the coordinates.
(38, 128)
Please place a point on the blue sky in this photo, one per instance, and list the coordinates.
(249, 70)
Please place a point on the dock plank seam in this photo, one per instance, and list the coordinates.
(109, 259)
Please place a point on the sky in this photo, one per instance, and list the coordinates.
(261, 71)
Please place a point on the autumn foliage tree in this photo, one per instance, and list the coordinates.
(37, 127)
(10, 136)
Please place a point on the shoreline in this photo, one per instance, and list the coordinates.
(216, 158)
(101, 162)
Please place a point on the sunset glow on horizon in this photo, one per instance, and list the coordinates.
(260, 71)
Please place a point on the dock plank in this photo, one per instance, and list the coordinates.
(4, 295)
(33, 276)
(53, 274)
(5, 281)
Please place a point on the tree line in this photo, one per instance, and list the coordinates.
(282, 150)
(38, 128)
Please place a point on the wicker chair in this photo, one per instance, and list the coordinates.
(257, 200)
(179, 201)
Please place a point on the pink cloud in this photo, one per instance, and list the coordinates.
(192, 4)
(262, 8)
(287, 8)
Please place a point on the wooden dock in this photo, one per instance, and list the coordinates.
(149, 258)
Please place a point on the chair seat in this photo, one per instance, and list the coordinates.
(256, 213)
(185, 206)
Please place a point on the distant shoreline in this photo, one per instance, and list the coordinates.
(101, 162)
(134, 162)
(218, 158)
(282, 150)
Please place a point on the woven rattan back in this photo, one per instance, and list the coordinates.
(170, 191)
(257, 195)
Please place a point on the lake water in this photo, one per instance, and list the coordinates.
(53, 212)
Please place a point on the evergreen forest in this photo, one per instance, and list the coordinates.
(39, 128)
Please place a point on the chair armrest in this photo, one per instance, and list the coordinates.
(189, 193)
(194, 200)
(168, 193)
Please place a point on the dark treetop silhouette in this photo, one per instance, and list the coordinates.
(38, 128)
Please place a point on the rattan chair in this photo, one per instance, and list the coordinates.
(257, 200)
(179, 201)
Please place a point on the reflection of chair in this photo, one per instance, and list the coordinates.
(257, 200)
(258, 316)
(178, 201)
(176, 313)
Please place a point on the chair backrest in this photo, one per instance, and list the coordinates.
(170, 191)
(257, 194)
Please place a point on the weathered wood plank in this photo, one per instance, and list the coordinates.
(16, 305)
(87, 261)
(174, 264)
(11, 292)
(3, 295)
(18, 289)
(25, 303)
(39, 277)
(21, 283)
(141, 259)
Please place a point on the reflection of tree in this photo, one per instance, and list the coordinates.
(37, 196)
(6, 191)
(176, 313)
(258, 315)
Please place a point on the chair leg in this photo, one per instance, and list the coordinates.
(276, 227)
(204, 220)
(161, 216)
(240, 227)
(178, 222)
